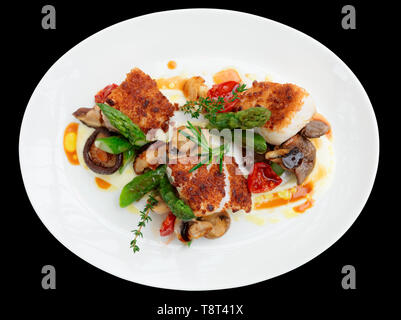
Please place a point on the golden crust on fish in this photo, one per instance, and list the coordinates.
(240, 197)
(283, 101)
(139, 98)
(207, 191)
(203, 189)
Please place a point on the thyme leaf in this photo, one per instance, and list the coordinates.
(144, 218)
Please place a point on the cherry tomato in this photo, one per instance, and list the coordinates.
(167, 226)
(262, 178)
(102, 95)
(224, 90)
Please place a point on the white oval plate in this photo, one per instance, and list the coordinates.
(90, 223)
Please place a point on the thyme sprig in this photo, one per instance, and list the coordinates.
(199, 138)
(145, 218)
(209, 105)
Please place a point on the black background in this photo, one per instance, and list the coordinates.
(31, 51)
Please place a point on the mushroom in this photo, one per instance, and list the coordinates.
(301, 158)
(94, 118)
(315, 129)
(278, 153)
(220, 221)
(189, 230)
(98, 160)
(210, 227)
(89, 116)
(195, 88)
(151, 158)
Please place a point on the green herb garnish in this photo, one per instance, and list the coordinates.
(207, 152)
(142, 222)
(209, 105)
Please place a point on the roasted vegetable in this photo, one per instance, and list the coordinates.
(124, 125)
(113, 144)
(244, 119)
(141, 185)
(277, 168)
(98, 160)
(255, 141)
(177, 206)
(262, 178)
(127, 157)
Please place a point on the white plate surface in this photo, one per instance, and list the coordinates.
(90, 223)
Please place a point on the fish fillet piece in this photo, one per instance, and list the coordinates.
(291, 108)
(240, 197)
(139, 98)
(207, 190)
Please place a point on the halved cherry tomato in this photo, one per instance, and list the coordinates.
(167, 226)
(224, 90)
(102, 95)
(262, 178)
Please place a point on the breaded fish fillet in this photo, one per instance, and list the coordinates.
(139, 98)
(207, 191)
(291, 108)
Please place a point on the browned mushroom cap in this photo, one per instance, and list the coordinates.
(299, 144)
(315, 129)
(98, 160)
(220, 221)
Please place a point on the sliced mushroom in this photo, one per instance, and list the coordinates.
(220, 221)
(292, 159)
(276, 153)
(315, 129)
(89, 116)
(189, 230)
(301, 167)
(94, 118)
(161, 207)
(195, 88)
(151, 158)
(98, 160)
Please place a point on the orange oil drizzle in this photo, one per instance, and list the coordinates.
(304, 206)
(70, 143)
(102, 184)
(301, 192)
(176, 83)
(172, 64)
(226, 75)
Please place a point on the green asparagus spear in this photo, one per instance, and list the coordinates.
(113, 144)
(277, 168)
(176, 205)
(127, 157)
(141, 185)
(244, 119)
(124, 125)
(256, 141)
